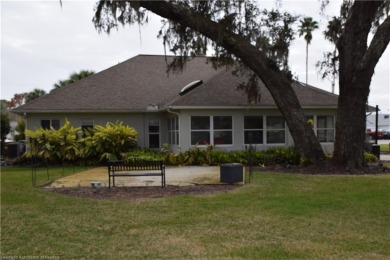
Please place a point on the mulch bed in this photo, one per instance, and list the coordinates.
(326, 167)
(136, 193)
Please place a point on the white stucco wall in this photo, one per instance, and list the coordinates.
(139, 121)
(238, 127)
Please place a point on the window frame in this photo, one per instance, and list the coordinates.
(211, 131)
(173, 131)
(261, 130)
(85, 127)
(55, 127)
(270, 130)
(326, 128)
(152, 133)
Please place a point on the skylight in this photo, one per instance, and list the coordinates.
(190, 87)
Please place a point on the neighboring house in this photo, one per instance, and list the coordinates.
(383, 122)
(196, 106)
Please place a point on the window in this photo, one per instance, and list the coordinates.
(325, 128)
(200, 130)
(275, 130)
(50, 123)
(253, 129)
(86, 125)
(215, 130)
(223, 130)
(154, 133)
(173, 131)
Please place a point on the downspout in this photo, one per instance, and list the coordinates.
(144, 130)
(175, 113)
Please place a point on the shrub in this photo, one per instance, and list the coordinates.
(113, 140)
(102, 142)
(145, 154)
(281, 156)
(370, 158)
(53, 145)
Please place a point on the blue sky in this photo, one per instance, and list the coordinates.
(42, 43)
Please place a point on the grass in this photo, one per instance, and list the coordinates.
(43, 175)
(277, 216)
(385, 147)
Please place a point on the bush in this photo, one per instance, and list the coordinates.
(211, 156)
(53, 145)
(145, 154)
(281, 156)
(103, 142)
(112, 140)
(370, 158)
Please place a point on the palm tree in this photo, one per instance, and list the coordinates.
(75, 76)
(332, 34)
(307, 26)
(36, 93)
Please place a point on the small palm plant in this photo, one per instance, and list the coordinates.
(113, 139)
(53, 145)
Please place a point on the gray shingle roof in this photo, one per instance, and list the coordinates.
(141, 81)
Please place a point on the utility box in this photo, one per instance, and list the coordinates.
(376, 150)
(232, 172)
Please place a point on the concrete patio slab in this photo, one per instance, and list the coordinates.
(176, 176)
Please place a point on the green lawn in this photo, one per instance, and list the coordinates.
(385, 147)
(277, 216)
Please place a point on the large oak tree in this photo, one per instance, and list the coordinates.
(232, 28)
(357, 61)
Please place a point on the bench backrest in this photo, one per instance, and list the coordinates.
(135, 165)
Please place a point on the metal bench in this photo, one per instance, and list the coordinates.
(135, 168)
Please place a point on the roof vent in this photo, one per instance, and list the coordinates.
(190, 87)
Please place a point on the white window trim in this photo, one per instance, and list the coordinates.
(315, 128)
(173, 131)
(262, 130)
(266, 131)
(51, 122)
(154, 133)
(211, 130)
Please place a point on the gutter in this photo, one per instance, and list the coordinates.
(244, 107)
(83, 111)
(175, 113)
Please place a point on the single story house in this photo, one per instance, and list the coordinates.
(200, 105)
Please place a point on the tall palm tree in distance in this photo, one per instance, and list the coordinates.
(75, 76)
(307, 26)
(332, 34)
(34, 94)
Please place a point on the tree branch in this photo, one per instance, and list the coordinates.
(352, 44)
(223, 37)
(377, 46)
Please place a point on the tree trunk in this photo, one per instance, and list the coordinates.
(357, 64)
(280, 88)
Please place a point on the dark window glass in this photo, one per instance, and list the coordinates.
(200, 138)
(223, 122)
(45, 124)
(200, 122)
(253, 122)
